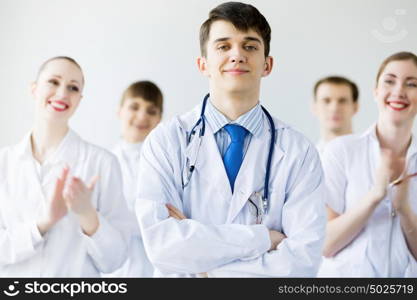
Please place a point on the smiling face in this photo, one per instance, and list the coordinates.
(235, 60)
(396, 92)
(334, 107)
(58, 90)
(138, 118)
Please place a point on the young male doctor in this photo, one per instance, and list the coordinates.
(226, 190)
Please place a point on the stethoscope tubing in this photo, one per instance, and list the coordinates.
(270, 153)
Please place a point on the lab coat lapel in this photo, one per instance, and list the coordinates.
(374, 154)
(209, 164)
(251, 176)
(67, 154)
(26, 169)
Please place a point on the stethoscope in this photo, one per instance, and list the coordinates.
(265, 198)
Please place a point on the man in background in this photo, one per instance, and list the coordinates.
(335, 103)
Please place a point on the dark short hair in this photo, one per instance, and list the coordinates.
(242, 16)
(70, 59)
(146, 90)
(395, 57)
(340, 81)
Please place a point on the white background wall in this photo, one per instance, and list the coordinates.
(121, 41)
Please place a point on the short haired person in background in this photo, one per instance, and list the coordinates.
(371, 184)
(226, 190)
(335, 103)
(57, 218)
(139, 112)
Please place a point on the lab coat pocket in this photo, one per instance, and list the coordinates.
(353, 261)
(251, 213)
(349, 262)
(273, 219)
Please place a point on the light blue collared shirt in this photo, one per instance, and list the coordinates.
(252, 121)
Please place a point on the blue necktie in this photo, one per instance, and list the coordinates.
(233, 157)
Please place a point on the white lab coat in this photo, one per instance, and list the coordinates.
(350, 163)
(137, 264)
(220, 235)
(64, 251)
(320, 146)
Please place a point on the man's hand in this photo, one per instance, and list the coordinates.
(175, 213)
(276, 238)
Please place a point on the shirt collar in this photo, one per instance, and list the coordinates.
(130, 150)
(67, 149)
(320, 145)
(251, 120)
(24, 147)
(131, 147)
(371, 132)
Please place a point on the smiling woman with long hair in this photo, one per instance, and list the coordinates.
(60, 210)
(372, 187)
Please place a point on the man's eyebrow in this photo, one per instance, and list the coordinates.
(251, 38)
(247, 38)
(223, 39)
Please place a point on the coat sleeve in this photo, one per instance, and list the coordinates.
(303, 222)
(108, 245)
(187, 246)
(334, 167)
(18, 242)
(19, 238)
